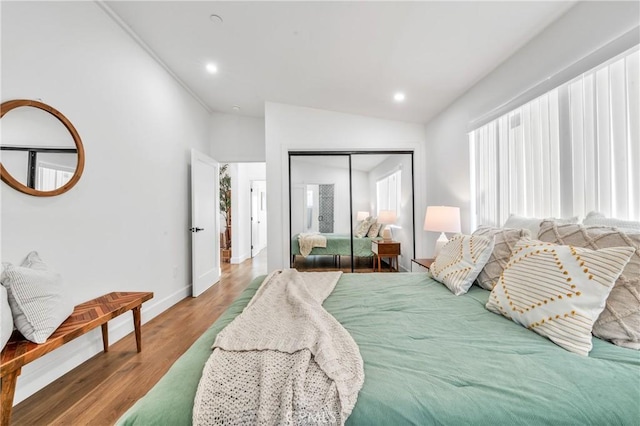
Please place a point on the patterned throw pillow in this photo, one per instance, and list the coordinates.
(558, 291)
(505, 241)
(460, 261)
(38, 299)
(362, 228)
(620, 320)
(374, 230)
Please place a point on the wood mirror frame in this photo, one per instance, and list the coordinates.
(14, 183)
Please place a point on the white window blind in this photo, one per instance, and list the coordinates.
(388, 193)
(52, 176)
(572, 150)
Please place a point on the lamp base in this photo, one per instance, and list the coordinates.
(440, 242)
(386, 234)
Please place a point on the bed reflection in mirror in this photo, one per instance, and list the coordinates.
(329, 191)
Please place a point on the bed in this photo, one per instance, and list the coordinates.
(434, 358)
(337, 245)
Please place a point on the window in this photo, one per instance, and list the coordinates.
(52, 176)
(388, 192)
(572, 150)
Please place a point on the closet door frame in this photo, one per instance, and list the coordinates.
(349, 154)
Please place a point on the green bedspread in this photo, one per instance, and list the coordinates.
(338, 244)
(433, 358)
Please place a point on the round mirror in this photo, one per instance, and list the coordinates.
(42, 153)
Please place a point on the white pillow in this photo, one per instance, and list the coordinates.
(6, 328)
(461, 260)
(532, 223)
(362, 228)
(38, 299)
(33, 261)
(598, 219)
(558, 291)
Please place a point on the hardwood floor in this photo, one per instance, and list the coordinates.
(100, 390)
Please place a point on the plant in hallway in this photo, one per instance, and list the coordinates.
(225, 209)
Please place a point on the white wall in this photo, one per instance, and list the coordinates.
(305, 172)
(241, 176)
(583, 29)
(290, 127)
(236, 138)
(123, 227)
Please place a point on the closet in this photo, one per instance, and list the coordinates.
(331, 194)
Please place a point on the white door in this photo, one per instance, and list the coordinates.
(205, 222)
(258, 216)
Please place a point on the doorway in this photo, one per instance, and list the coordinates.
(258, 216)
(248, 210)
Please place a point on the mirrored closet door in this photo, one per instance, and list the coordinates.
(319, 207)
(351, 211)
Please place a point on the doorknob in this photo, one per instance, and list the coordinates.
(196, 229)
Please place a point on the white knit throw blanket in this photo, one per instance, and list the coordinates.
(283, 361)
(307, 241)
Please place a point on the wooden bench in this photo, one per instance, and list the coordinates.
(85, 317)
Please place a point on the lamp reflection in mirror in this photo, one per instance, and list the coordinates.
(362, 215)
(387, 217)
(442, 219)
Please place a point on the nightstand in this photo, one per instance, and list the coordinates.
(389, 249)
(421, 265)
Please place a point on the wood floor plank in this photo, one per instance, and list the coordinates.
(100, 390)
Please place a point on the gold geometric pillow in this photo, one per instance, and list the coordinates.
(460, 261)
(558, 291)
(505, 241)
(620, 321)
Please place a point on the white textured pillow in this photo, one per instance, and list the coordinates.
(362, 228)
(39, 302)
(598, 219)
(460, 261)
(532, 223)
(558, 291)
(6, 328)
(33, 261)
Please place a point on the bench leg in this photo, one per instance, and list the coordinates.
(8, 391)
(136, 325)
(105, 337)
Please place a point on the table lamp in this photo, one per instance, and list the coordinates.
(442, 219)
(387, 217)
(362, 215)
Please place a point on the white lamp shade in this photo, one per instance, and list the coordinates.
(387, 217)
(442, 219)
(362, 215)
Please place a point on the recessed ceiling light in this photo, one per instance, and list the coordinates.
(212, 68)
(217, 19)
(236, 108)
(398, 97)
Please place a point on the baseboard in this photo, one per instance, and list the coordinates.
(43, 371)
(241, 258)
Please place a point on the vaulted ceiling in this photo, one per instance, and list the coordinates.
(342, 56)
